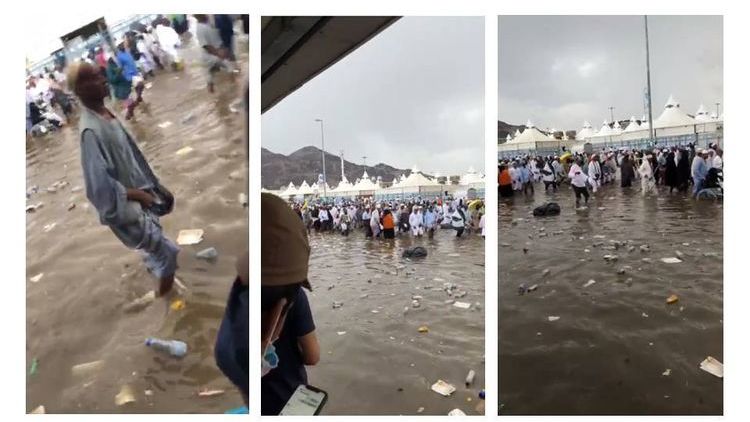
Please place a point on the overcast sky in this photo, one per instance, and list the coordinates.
(414, 94)
(561, 70)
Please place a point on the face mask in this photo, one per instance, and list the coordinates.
(270, 360)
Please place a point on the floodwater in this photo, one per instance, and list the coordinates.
(75, 315)
(382, 365)
(615, 340)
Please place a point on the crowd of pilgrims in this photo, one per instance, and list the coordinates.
(678, 168)
(387, 219)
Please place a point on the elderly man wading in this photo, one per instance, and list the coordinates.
(119, 182)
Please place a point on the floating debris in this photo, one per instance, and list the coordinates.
(164, 125)
(588, 283)
(456, 412)
(443, 388)
(462, 305)
(36, 278)
(83, 369)
(190, 237)
(185, 150)
(671, 260)
(672, 299)
(713, 367)
(667, 372)
(208, 253)
(177, 305)
(423, 329)
(552, 318)
(210, 393)
(125, 396)
(39, 410)
(34, 207)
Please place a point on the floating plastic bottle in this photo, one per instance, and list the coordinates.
(175, 348)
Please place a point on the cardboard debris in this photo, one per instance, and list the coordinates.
(713, 367)
(125, 396)
(443, 388)
(190, 237)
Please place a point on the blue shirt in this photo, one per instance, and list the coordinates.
(129, 69)
(278, 385)
(430, 218)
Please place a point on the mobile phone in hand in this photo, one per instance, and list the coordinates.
(306, 401)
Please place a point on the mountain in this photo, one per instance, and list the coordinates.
(277, 170)
(503, 129)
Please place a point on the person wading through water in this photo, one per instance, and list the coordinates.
(119, 181)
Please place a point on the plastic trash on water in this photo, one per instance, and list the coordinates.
(456, 412)
(83, 369)
(242, 199)
(667, 372)
(552, 318)
(190, 237)
(164, 125)
(470, 377)
(36, 278)
(39, 410)
(672, 299)
(34, 367)
(443, 388)
(141, 302)
(125, 396)
(242, 410)
(185, 150)
(462, 305)
(423, 329)
(671, 260)
(175, 348)
(588, 283)
(177, 305)
(210, 393)
(713, 367)
(208, 253)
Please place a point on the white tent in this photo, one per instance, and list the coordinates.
(290, 191)
(586, 131)
(471, 177)
(508, 138)
(702, 115)
(304, 189)
(673, 116)
(632, 125)
(530, 135)
(365, 184)
(516, 134)
(605, 130)
(617, 129)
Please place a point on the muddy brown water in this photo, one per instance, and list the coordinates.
(614, 339)
(382, 365)
(74, 314)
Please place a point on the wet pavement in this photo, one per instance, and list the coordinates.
(615, 340)
(74, 313)
(373, 359)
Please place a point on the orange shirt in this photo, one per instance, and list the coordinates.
(388, 222)
(505, 178)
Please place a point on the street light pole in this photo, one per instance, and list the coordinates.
(717, 109)
(323, 154)
(651, 131)
(611, 115)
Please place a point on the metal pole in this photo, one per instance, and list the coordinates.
(611, 115)
(323, 154)
(651, 130)
(717, 110)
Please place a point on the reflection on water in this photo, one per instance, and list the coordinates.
(74, 313)
(615, 338)
(382, 364)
